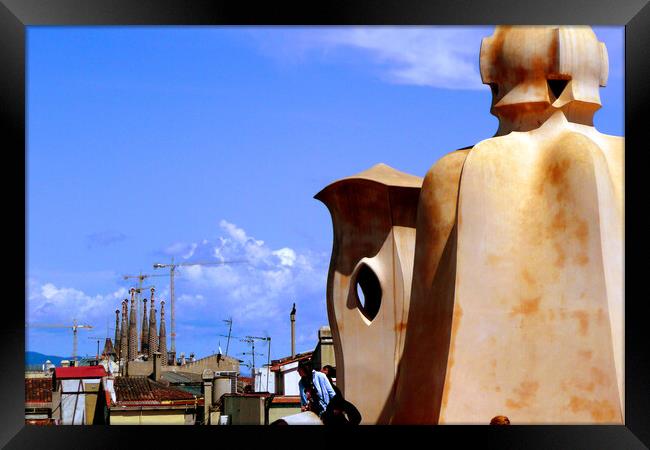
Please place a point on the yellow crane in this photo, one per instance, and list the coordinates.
(74, 327)
(172, 270)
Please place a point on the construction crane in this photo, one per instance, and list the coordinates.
(172, 270)
(74, 327)
(139, 290)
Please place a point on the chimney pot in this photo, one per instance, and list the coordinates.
(156, 366)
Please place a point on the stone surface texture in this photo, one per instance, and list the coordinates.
(514, 248)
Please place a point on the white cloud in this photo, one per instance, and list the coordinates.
(261, 287)
(47, 302)
(257, 295)
(182, 249)
(437, 56)
(233, 231)
(287, 256)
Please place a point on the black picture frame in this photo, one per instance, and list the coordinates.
(16, 15)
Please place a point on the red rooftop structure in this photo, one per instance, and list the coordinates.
(68, 373)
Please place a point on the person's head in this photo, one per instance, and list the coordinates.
(304, 368)
(329, 371)
(500, 420)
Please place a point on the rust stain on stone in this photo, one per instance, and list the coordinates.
(600, 410)
(458, 314)
(491, 259)
(582, 260)
(558, 224)
(582, 232)
(528, 278)
(400, 327)
(584, 385)
(556, 176)
(557, 170)
(599, 376)
(586, 354)
(525, 393)
(561, 257)
(526, 307)
(583, 320)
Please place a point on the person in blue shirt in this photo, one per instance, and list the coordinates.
(315, 389)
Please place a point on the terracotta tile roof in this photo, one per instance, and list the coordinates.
(277, 363)
(133, 389)
(38, 390)
(287, 399)
(248, 394)
(162, 392)
(39, 422)
(141, 390)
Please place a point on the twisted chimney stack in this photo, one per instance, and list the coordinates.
(124, 339)
(144, 337)
(133, 329)
(162, 341)
(117, 333)
(153, 335)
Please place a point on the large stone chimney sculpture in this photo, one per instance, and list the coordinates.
(162, 336)
(133, 329)
(124, 334)
(373, 215)
(516, 303)
(153, 335)
(144, 332)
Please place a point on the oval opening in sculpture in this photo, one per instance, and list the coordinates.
(368, 292)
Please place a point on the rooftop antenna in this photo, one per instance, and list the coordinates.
(229, 322)
(251, 340)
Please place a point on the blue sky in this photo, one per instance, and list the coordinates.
(208, 144)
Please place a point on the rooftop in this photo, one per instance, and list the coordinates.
(181, 377)
(38, 390)
(63, 373)
(277, 363)
(141, 390)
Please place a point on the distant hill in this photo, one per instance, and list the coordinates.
(37, 359)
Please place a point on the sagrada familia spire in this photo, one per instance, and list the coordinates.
(144, 334)
(153, 335)
(133, 330)
(162, 346)
(124, 337)
(117, 332)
